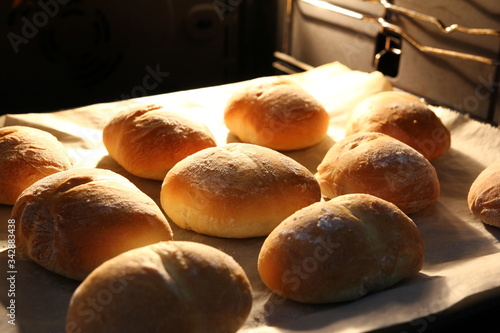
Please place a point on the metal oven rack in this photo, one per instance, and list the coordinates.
(427, 48)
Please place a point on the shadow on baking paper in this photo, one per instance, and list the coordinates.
(5, 215)
(150, 187)
(40, 297)
(450, 235)
(456, 172)
(449, 230)
(309, 157)
(494, 231)
(413, 298)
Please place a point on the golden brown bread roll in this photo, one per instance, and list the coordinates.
(404, 117)
(238, 190)
(26, 155)
(484, 195)
(340, 250)
(276, 113)
(148, 142)
(176, 287)
(72, 221)
(380, 165)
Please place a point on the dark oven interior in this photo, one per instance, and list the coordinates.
(59, 54)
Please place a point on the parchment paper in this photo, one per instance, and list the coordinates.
(462, 255)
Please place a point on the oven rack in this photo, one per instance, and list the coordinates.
(391, 30)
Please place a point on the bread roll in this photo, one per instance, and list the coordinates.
(377, 164)
(27, 155)
(72, 221)
(404, 117)
(340, 250)
(276, 113)
(176, 287)
(148, 142)
(238, 190)
(484, 195)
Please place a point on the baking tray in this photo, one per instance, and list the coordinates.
(462, 255)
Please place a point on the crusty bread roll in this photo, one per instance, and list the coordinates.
(484, 195)
(237, 191)
(404, 117)
(176, 287)
(26, 155)
(380, 165)
(340, 250)
(72, 221)
(148, 141)
(276, 113)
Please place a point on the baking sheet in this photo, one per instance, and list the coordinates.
(462, 255)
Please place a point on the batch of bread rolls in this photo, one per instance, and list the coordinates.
(331, 236)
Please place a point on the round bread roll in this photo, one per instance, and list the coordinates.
(276, 113)
(148, 142)
(236, 191)
(484, 195)
(177, 287)
(404, 117)
(340, 250)
(72, 221)
(26, 155)
(377, 164)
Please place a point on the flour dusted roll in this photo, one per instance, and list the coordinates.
(177, 287)
(148, 141)
(238, 190)
(377, 164)
(72, 221)
(484, 195)
(276, 113)
(404, 117)
(26, 155)
(340, 250)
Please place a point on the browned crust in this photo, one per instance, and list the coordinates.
(149, 141)
(27, 155)
(380, 165)
(73, 221)
(166, 287)
(404, 117)
(483, 198)
(341, 250)
(276, 113)
(237, 190)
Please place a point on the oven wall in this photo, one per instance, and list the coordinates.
(317, 36)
